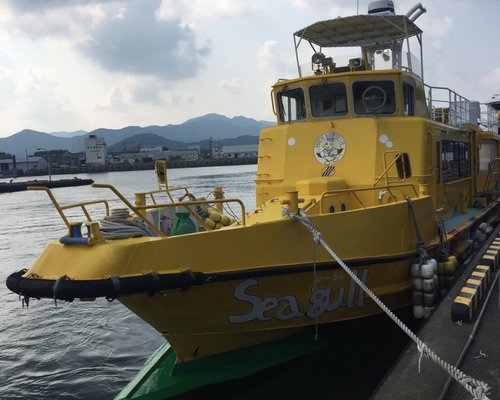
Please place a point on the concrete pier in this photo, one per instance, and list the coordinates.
(473, 347)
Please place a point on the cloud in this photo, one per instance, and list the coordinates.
(437, 30)
(491, 79)
(274, 61)
(137, 43)
(39, 100)
(119, 36)
(230, 85)
(117, 100)
(37, 20)
(7, 86)
(196, 11)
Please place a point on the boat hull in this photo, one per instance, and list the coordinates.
(241, 286)
(222, 316)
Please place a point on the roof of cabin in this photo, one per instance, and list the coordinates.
(359, 30)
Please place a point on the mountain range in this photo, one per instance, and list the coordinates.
(193, 131)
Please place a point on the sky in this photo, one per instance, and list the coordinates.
(68, 65)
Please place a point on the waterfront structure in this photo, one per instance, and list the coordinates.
(31, 163)
(238, 151)
(7, 164)
(95, 150)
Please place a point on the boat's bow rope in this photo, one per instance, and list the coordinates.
(480, 390)
(117, 226)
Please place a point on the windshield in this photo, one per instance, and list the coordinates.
(292, 105)
(328, 99)
(374, 97)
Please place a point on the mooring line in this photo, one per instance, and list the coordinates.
(480, 390)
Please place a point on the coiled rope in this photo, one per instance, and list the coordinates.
(117, 226)
(480, 390)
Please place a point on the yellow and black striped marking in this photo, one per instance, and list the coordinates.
(472, 291)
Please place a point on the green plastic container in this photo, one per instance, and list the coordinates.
(183, 224)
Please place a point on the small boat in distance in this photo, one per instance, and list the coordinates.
(399, 177)
(17, 186)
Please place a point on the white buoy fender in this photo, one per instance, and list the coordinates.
(418, 312)
(428, 285)
(429, 268)
(418, 297)
(415, 270)
(429, 299)
(479, 236)
(428, 311)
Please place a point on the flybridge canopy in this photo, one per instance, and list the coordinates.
(381, 38)
(359, 30)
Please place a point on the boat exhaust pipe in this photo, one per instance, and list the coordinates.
(415, 12)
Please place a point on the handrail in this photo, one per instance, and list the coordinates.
(385, 174)
(54, 201)
(365, 189)
(60, 209)
(491, 170)
(460, 180)
(167, 191)
(127, 203)
(186, 204)
(87, 203)
(455, 110)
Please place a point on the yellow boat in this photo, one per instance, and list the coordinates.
(393, 173)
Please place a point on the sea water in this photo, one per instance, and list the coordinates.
(91, 350)
(80, 350)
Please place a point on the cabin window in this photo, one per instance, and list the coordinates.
(408, 99)
(374, 97)
(464, 159)
(292, 105)
(328, 100)
(487, 152)
(455, 160)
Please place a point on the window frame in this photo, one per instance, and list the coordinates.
(337, 115)
(411, 96)
(456, 149)
(368, 114)
(280, 108)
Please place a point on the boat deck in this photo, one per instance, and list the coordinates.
(451, 342)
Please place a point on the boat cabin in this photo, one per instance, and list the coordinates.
(368, 121)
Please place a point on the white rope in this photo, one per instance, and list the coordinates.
(116, 226)
(475, 387)
(315, 289)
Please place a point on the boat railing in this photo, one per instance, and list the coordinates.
(83, 205)
(400, 162)
(489, 118)
(447, 106)
(188, 205)
(492, 170)
(355, 193)
(142, 206)
(167, 192)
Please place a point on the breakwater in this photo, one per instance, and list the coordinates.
(92, 169)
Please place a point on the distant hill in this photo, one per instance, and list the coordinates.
(68, 134)
(145, 140)
(150, 140)
(192, 131)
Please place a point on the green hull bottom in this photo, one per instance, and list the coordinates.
(160, 378)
